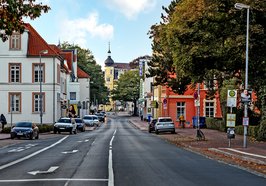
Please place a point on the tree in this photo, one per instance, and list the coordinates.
(87, 63)
(127, 88)
(12, 12)
(199, 41)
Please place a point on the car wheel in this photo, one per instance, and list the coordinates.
(173, 132)
(156, 131)
(12, 136)
(71, 132)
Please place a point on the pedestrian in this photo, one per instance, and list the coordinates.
(71, 112)
(3, 121)
(182, 121)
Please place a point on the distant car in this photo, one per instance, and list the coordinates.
(65, 125)
(80, 124)
(101, 116)
(104, 113)
(152, 125)
(25, 129)
(91, 120)
(164, 124)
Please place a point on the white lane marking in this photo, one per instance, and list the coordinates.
(31, 155)
(70, 152)
(55, 179)
(246, 153)
(19, 149)
(50, 170)
(110, 164)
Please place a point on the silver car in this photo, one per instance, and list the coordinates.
(91, 120)
(164, 124)
(65, 125)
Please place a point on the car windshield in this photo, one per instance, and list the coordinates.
(87, 117)
(24, 124)
(165, 120)
(64, 120)
(78, 120)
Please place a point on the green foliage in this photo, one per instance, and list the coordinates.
(204, 40)
(215, 123)
(261, 131)
(239, 129)
(6, 130)
(45, 128)
(127, 88)
(12, 13)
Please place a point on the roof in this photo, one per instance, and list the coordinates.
(36, 43)
(121, 65)
(82, 74)
(109, 61)
(68, 56)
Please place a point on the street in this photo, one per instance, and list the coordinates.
(116, 153)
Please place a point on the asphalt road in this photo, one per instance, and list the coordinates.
(117, 154)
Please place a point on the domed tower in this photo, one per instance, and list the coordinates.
(109, 61)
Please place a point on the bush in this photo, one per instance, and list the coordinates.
(215, 123)
(261, 136)
(239, 130)
(45, 128)
(6, 130)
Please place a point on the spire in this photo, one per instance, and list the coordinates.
(109, 50)
(109, 61)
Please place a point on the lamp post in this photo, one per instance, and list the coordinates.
(240, 6)
(41, 79)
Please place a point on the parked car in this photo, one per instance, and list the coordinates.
(65, 125)
(104, 113)
(164, 124)
(101, 116)
(91, 120)
(25, 129)
(152, 125)
(80, 124)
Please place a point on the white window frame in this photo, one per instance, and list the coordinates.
(15, 102)
(209, 109)
(180, 109)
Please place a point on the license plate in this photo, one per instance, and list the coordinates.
(20, 134)
(62, 128)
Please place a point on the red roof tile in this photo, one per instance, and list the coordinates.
(82, 74)
(36, 43)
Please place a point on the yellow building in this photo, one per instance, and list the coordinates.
(112, 72)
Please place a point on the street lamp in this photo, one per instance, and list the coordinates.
(41, 79)
(240, 6)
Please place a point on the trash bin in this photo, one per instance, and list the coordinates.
(202, 122)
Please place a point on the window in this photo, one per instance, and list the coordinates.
(38, 73)
(108, 79)
(15, 102)
(38, 102)
(209, 108)
(181, 109)
(14, 73)
(15, 42)
(72, 95)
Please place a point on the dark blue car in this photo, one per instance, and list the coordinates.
(25, 129)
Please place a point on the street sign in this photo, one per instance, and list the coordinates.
(231, 98)
(245, 121)
(245, 96)
(230, 120)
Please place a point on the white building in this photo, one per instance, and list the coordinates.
(23, 63)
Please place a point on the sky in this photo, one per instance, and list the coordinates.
(92, 24)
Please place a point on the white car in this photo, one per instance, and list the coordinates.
(164, 124)
(65, 125)
(91, 120)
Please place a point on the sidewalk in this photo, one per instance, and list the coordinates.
(216, 145)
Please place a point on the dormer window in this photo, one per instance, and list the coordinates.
(15, 42)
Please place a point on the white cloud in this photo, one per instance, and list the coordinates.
(131, 8)
(76, 31)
